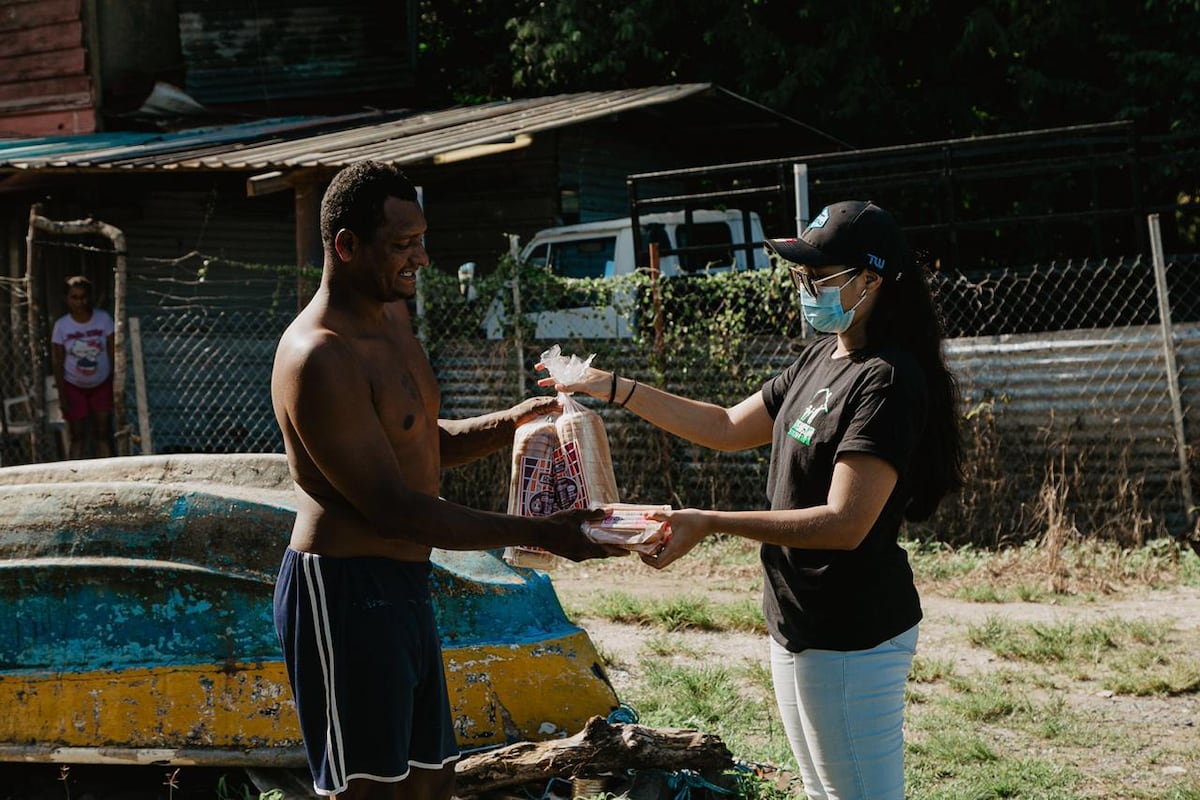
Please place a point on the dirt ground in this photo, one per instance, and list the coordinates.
(1145, 721)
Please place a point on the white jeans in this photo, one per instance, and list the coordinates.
(844, 717)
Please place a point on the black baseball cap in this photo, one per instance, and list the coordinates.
(856, 233)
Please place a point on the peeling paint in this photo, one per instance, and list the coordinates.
(164, 707)
(170, 646)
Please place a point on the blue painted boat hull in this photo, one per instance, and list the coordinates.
(136, 622)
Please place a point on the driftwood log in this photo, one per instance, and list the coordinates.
(599, 748)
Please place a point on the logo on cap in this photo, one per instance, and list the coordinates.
(821, 219)
(876, 262)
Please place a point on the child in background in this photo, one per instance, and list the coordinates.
(82, 353)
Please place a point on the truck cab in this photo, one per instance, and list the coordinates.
(695, 243)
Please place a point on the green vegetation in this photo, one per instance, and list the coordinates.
(1073, 701)
(686, 612)
(894, 73)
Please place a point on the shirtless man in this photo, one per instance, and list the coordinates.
(357, 402)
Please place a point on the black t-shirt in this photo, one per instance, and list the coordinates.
(823, 407)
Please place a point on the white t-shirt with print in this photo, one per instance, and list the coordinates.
(86, 345)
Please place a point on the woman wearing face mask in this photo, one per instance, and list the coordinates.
(864, 433)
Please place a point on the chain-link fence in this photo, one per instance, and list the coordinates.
(1073, 416)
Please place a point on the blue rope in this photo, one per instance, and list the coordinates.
(683, 781)
(623, 715)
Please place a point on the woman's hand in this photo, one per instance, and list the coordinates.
(686, 528)
(596, 383)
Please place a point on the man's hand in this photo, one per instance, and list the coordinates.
(534, 407)
(565, 535)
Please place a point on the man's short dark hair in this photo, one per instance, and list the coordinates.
(355, 198)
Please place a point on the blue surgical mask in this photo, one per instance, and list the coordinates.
(824, 312)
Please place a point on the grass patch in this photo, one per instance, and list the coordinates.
(722, 550)
(987, 702)
(1076, 648)
(997, 778)
(1078, 570)
(1147, 674)
(728, 701)
(687, 612)
(930, 670)
(984, 593)
(664, 645)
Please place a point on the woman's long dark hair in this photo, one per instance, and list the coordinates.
(904, 316)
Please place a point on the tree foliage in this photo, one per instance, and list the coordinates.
(870, 72)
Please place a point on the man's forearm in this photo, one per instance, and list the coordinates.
(465, 440)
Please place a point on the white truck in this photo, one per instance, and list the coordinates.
(707, 240)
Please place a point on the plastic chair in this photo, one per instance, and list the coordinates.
(18, 420)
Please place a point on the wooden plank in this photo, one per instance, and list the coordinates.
(34, 66)
(139, 380)
(62, 36)
(31, 94)
(17, 16)
(48, 123)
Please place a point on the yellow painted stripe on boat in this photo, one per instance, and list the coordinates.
(497, 693)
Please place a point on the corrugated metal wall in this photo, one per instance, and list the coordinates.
(1095, 403)
(45, 84)
(1100, 398)
(273, 49)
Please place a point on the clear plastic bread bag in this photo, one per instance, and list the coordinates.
(583, 471)
(531, 488)
(559, 462)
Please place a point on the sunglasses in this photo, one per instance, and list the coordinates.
(812, 286)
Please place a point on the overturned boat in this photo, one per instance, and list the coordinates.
(136, 621)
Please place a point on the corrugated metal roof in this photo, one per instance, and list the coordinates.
(398, 137)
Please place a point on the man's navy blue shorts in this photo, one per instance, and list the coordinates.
(365, 663)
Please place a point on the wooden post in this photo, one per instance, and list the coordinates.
(310, 252)
(1167, 329)
(518, 337)
(656, 296)
(36, 361)
(139, 381)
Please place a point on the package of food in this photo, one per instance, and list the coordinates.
(583, 467)
(559, 462)
(531, 490)
(629, 525)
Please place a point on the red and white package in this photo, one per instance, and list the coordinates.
(629, 525)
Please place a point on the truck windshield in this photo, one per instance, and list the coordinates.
(584, 258)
